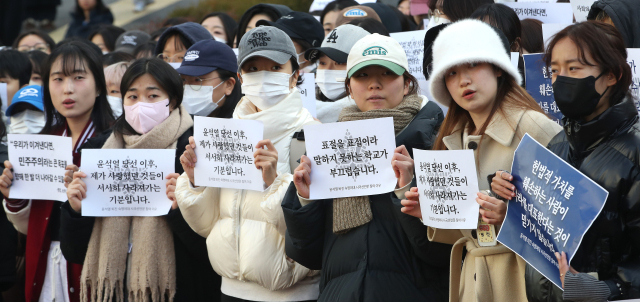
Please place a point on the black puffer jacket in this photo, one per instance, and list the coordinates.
(607, 150)
(382, 260)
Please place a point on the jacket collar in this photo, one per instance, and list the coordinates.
(501, 129)
(583, 137)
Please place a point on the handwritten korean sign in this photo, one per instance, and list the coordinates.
(538, 80)
(225, 150)
(351, 158)
(555, 205)
(39, 161)
(412, 43)
(308, 93)
(448, 184)
(126, 182)
(545, 12)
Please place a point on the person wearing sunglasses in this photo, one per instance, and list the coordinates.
(211, 86)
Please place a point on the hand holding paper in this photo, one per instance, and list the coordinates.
(266, 160)
(6, 179)
(172, 180)
(402, 164)
(302, 177)
(501, 185)
(188, 159)
(68, 174)
(411, 205)
(77, 191)
(492, 210)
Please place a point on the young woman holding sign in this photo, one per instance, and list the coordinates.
(153, 118)
(366, 248)
(488, 113)
(75, 103)
(245, 229)
(600, 138)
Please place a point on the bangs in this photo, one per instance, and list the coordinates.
(71, 61)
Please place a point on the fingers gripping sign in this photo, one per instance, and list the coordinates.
(492, 210)
(411, 205)
(403, 166)
(172, 180)
(188, 159)
(302, 177)
(77, 191)
(6, 178)
(266, 159)
(68, 174)
(501, 185)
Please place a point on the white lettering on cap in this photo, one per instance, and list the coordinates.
(129, 40)
(192, 55)
(356, 12)
(28, 92)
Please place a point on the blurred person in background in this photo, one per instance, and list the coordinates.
(531, 36)
(263, 11)
(34, 40)
(221, 26)
(331, 11)
(38, 61)
(87, 16)
(145, 50)
(174, 42)
(113, 77)
(115, 57)
(105, 37)
(128, 41)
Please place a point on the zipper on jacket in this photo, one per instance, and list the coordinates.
(238, 212)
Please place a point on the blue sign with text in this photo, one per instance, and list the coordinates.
(555, 205)
(539, 86)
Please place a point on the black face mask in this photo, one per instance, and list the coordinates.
(576, 98)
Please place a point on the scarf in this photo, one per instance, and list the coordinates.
(151, 267)
(352, 212)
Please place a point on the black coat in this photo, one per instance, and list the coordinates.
(9, 239)
(195, 278)
(78, 28)
(382, 260)
(611, 247)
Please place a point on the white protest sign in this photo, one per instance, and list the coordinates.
(308, 93)
(224, 148)
(448, 184)
(366, 1)
(351, 158)
(550, 30)
(318, 5)
(633, 58)
(39, 163)
(425, 23)
(235, 50)
(545, 12)
(540, 1)
(581, 9)
(514, 59)
(413, 44)
(4, 97)
(127, 182)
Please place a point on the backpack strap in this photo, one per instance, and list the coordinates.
(298, 147)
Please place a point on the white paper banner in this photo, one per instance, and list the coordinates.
(235, 50)
(318, 5)
(224, 148)
(39, 163)
(545, 12)
(351, 158)
(448, 184)
(550, 30)
(127, 182)
(514, 59)
(308, 93)
(633, 58)
(581, 9)
(413, 44)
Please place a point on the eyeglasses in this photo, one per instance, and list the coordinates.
(176, 58)
(198, 83)
(40, 46)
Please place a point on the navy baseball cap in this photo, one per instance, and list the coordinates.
(31, 94)
(206, 56)
(299, 25)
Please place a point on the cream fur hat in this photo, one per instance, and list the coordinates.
(468, 41)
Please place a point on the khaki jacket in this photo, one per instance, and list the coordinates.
(491, 273)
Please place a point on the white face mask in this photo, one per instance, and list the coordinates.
(175, 65)
(27, 122)
(301, 55)
(265, 89)
(199, 102)
(116, 105)
(104, 52)
(220, 39)
(331, 82)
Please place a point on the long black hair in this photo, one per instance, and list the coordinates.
(167, 77)
(504, 18)
(109, 33)
(230, 25)
(230, 102)
(73, 52)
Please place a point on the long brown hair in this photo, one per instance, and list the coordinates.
(509, 95)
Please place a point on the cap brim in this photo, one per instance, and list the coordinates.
(397, 69)
(286, 30)
(332, 53)
(13, 105)
(195, 71)
(273, 55)
(126, 49)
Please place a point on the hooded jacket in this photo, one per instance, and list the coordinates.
(193, 32)
(80, 29)
(607, 150)
(387, 259)
(625, 15)
(276, 10)
(245, 229)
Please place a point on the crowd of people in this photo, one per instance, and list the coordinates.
(107, 88)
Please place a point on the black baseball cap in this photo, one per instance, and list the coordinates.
(206, 56)
(299, 25)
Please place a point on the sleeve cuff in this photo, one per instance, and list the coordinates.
(584, 287)
(303, 201)
(400, 191)
(193, 188)
(15, 205)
